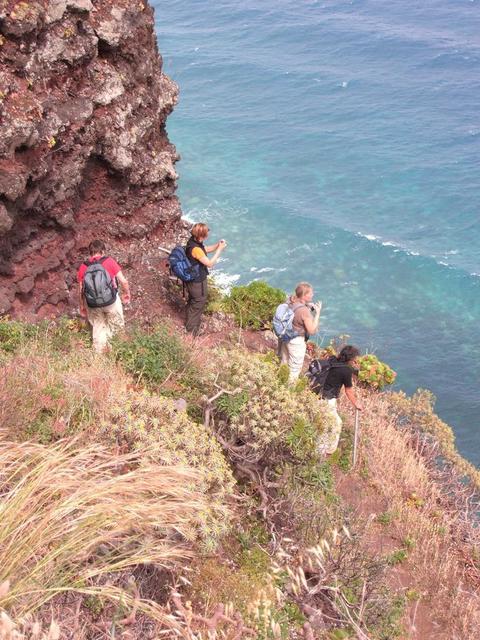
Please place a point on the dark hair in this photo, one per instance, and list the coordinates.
(348, 353)
(96, 246)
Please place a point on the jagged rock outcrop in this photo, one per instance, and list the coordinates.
(83, 147)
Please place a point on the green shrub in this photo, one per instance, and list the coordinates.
(385, 518)
(152, 357)
(319, 476)
(13, 334)
(308, 489)
(302, 437)
(276, 419)
(143, 421)
(232, 405)
(60, 335)
(375, 373)
(397, 557)
(254, 305)
(215, 298)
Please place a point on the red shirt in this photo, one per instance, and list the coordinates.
(110, 265)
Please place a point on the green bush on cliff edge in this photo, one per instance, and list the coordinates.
(254, 305)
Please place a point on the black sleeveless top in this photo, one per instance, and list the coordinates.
(203, 271)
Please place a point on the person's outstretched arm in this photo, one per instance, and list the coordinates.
(212, 247)
(210, 262)
(350, 393)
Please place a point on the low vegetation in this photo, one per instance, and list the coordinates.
(155, 490)
(375, 373)
(75, 516)
(253, 305)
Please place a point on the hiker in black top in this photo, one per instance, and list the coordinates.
(339, 375)
(197, 253)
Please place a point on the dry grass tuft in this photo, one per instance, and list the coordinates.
(24, 629)
(72, 516)
(44, 397)
(403, 466)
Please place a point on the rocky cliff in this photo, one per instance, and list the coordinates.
(83, 147)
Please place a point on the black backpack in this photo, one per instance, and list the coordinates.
(318, 372)
(98, 286)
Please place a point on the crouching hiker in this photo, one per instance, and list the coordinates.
(98, 280)
(196, 253)
(294, 322)
(327, 378)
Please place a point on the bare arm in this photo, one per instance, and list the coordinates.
(350, 393)
(212, 247)
(311, 324)
(123, 282)
(81, 301)
(210, 262)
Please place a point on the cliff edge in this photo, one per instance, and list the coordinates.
(83, 147)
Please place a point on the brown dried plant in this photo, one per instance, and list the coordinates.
(435, 509)
(72, 516)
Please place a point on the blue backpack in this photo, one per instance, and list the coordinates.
(283, 321)
(181, 266)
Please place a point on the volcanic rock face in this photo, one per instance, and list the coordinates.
(83, 147)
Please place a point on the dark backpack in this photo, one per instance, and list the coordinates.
(98, 286)
(181, 266)
(318, 372)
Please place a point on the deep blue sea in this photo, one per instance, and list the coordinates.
(339, 143)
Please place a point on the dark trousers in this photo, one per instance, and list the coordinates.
(197, 299)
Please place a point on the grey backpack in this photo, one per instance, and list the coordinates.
(98, 286)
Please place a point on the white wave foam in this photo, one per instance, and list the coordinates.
(267, 269)
(225, 281)
(368, 236)
(302, 247)
(188, 217)
(397, 248)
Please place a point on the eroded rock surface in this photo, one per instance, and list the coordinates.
(83, 147)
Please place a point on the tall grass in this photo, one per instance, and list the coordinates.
(72, 516)
(408, 478)
(44, 396)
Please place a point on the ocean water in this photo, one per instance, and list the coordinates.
(339, 142)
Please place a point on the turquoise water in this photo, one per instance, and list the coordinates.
(339, 143)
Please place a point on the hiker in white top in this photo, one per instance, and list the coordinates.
(305, 323)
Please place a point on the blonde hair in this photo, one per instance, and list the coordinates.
(200, 231)
(302, 288)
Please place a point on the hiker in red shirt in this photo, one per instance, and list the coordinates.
(98, 281)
